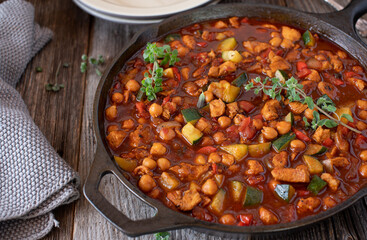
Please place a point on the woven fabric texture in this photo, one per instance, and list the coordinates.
(33, 178)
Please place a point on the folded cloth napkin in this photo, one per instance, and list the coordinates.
(33, 178)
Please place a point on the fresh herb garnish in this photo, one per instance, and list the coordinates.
(162, 236)
(39, 69)
(295, 94)
(94, 61)
(55, 87)
(152, 82)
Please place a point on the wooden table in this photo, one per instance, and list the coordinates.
(66, 120)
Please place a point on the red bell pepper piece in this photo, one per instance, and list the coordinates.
(328, 142)
(245, 219)
(232, 132)
(303, 193)
(202, 44)
(246, 106)
(244, 20)
(140, 106)
(215, 168)
(207, 150)
(303, 73)
(177, 73)
(301, 136)
(301, 65)
(166, 100)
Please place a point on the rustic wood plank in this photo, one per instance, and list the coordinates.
(322, 230)
(61, 114)
(58, 115)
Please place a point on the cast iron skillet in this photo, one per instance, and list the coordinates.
(337, 27)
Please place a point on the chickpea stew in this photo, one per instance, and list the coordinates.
(241, 122)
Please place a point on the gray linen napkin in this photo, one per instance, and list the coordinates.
(33, 178)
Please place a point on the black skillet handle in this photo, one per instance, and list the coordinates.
(103, 165)
(347, 18)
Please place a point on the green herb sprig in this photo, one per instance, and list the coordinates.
(152, 82)
(295, 94)
(96, 62)
(162, 236)
(55, 87)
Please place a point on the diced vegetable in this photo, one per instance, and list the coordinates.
(240, 80)
(191, 115)
(172, 37)
(343, 110)
(224, 90)
(217, 203)
(259, 150)
(253, 196)
(140, 95)
(233, 56)
(236, 189)
(126, 164)
(289, 118)
(168, 73)
(285, 192)
(283, 142)
(238, 151)
(219, 179)
(281, 75)
(314, 166)
(227, 44)
(191, 134)
(316, 185)
(315, 149)
(201, 101)
(308, 39)
(168, 181)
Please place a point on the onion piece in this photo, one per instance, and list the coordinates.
(328, 165)
(314, 64)
(169, 124)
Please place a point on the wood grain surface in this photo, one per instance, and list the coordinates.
(66, 120)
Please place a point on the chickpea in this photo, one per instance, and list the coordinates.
(200, 159)
(269, 133)
(127, 124)
(361, 125)
(208, 96)
(363, 115)
(283, 127)
(158, 149)
(155, 110)
(363, 155)
(117, 97)
(257, 123)
(363, 170)
(209, 187)
(274, 34)
(132, 85)
(167, 134)
(177, 100)
(219, 137)
(238, 119)
(297, 145)
(224, 121)
(275, 42)
(309, 113)
(111, 113)
(227, 219)
(146, 183)
(149, 163)
(163, 164)
(214, 158)
(361, 104)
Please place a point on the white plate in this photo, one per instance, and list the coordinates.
(146, 9)
(114, 18)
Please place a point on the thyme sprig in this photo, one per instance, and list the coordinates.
(294, 93)
(159, 56)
